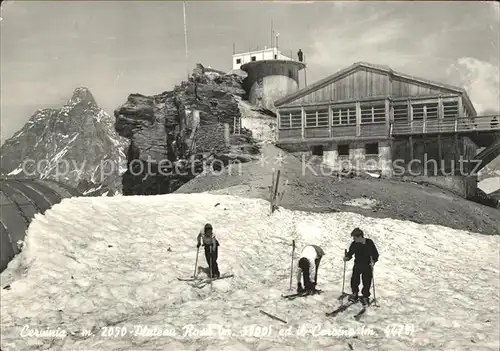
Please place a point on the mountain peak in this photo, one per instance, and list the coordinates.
(83, 94)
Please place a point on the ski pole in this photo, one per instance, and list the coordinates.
(196, 263)
(210, 263)
(291, 267)
(373, 283)
(343, 279)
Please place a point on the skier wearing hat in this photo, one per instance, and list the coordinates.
(308, 269)
(211, 245)
(366, 255)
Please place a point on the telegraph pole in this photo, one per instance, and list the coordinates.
(272, 34)
(185, 38)
(305, 70)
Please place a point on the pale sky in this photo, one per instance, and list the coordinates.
(117, 48)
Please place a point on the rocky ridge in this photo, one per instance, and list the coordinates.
(179, 134)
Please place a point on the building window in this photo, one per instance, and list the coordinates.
(275, 57)
(317, 150)
(290, 119)
(401, 113)
(284, 120)
(343, 150)
(310, 118)
(373, 114)
(253, 58)
(429, 111)
(322, 118)
(316, 118)
(450, 109)
(344, 116)
(238, 61)
(296, 119)
(371, 149)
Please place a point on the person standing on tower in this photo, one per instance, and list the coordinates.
(300, 54)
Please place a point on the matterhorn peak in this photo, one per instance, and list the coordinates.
(83, 94)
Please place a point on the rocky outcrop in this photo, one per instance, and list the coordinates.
(486, 199)
(178, 134)
(75, 144)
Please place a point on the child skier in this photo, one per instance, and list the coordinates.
(366, 255)
(211, 245)
(308, 269)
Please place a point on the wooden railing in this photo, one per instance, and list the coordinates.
(460, 125)
(467, 124)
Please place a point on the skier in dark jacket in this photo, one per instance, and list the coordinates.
(308, 269)
(211, 245)
(366, 255)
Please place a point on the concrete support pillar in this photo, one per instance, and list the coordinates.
(356, 155)
(358, 118)
(388, 119)
(303, 122)
(385, 158)
(330, 157)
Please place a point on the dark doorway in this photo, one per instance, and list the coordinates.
(343, 150)
(371, 149)
(317, 150)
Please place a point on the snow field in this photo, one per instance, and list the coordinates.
(109, 265)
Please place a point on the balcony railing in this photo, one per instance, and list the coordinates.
(377, 129)
(466, 124)
(380, 129)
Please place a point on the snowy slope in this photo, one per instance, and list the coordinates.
(115, 264)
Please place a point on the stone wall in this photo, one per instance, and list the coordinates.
(357, 160)
(270, 80)
(266, 91)
(212, 138)
(456, 157)
(465, 187)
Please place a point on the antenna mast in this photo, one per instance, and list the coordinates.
(272, 37)
(185, 37)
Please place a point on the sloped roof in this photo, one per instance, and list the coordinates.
(380, 68)
(20, 200)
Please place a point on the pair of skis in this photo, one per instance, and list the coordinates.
(340, 309)
(294, 296)
(202, 282)
(344, 307)
(358, 315)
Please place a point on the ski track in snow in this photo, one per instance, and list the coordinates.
(105, 261)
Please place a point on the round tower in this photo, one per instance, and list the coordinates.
(270, 80)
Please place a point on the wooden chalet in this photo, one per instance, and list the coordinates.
(358, 110)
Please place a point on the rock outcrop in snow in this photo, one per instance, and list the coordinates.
(76, 144)
(168, 146)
